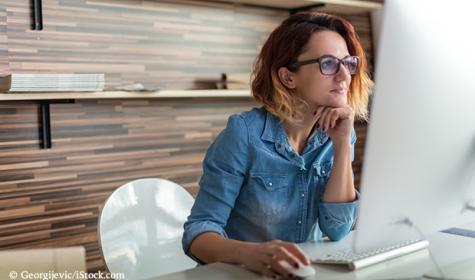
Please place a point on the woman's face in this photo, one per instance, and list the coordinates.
(318, 89)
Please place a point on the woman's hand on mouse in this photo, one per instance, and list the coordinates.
(264, 257)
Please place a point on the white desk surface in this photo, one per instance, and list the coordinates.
(445, 247)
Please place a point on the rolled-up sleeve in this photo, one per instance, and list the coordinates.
(337, 219)
(224, 169)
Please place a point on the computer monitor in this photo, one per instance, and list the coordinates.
(419, 160)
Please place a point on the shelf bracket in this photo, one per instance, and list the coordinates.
(37, 15)
(45, 121)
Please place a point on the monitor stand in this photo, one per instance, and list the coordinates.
(461, 270)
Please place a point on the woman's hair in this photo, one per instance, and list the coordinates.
(283, 47)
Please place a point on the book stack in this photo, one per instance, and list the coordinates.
(51, 82)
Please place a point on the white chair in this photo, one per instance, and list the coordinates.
(141, 226)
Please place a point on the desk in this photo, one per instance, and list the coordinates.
(445, 247)
(35, 261)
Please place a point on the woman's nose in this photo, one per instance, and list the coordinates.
(343, 73)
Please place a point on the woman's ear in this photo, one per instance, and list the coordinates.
(286, 77)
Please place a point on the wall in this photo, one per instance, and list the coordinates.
(3, 41)
(51, 198)
(165, 44)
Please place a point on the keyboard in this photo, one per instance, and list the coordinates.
(355, 260)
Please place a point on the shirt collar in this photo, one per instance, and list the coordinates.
(318, 137)
(273, 129)
(274, 132)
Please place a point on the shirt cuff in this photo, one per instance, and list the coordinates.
(196, 228)
(341, 212)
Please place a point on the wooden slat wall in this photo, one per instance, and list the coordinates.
(360, 129)
(165, 44)
(363, 27)
(3, 41)
(51, 198)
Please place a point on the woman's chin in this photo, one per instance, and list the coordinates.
(334, 101)
(338, 101)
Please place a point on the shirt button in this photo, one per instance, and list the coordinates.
(303, 195)
(270, 184)
(323, 172)
(300, 222)
(279, 146)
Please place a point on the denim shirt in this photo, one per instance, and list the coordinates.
(256, 188)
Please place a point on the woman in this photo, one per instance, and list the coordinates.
(281, 174)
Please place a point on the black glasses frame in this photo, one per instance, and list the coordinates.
(297, 64)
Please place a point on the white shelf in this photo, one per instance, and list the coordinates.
(341, 6)
(125, 95)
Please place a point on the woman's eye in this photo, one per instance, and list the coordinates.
(327, 63)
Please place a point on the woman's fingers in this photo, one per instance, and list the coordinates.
(333, 119)
(345, 113)
(295, 250)
(322, 119)
(318, 113)
(275, 251)
(262, 266)
(266, 270)
(286, 255)
(283, 254)
(329, 116)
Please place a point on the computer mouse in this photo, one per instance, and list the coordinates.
(303, 270)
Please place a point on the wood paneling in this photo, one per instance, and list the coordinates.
(363, 28)
(360, 129)
(3, 41)
(164, 44)
(51, 198)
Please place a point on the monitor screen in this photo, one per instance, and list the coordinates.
(419, 161)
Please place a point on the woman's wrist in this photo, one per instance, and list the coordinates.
(242, 252)
(343, 145)
(234, 251)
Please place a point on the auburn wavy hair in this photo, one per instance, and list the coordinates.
(283, 47)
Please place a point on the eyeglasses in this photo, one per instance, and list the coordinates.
(330, 65)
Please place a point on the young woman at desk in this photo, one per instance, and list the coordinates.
(281, 174)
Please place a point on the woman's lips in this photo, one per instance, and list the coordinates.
(338, 91)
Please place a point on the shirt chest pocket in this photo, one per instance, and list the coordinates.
(322, 169)
(270, 182)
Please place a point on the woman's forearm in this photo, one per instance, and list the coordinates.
(340, 186)
(211, 247)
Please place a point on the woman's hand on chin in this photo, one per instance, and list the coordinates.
(337, 122)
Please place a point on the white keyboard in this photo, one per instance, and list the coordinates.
(358, 260)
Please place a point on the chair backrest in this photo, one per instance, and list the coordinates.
(141, 226)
